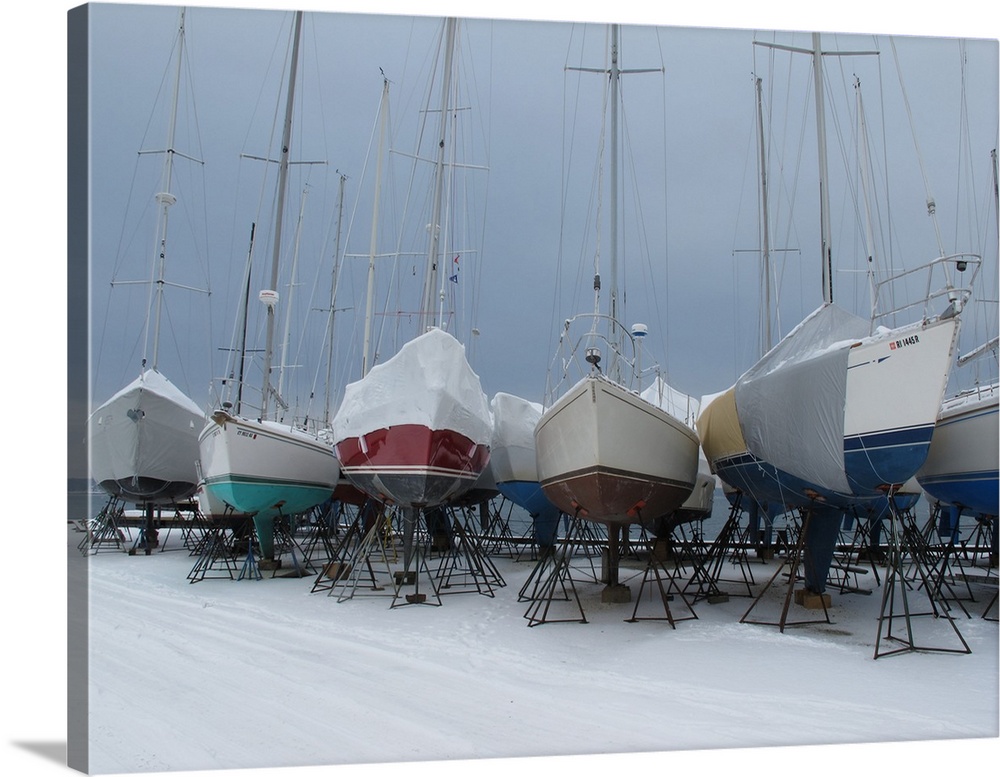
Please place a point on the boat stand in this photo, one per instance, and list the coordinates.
(250, 569)
(707, 572)
(498, 536)
(654, 567)
(551, 579)
(991, 607)
(983, 542)
(149, 535)
(792, 562)
(285, 542)
(352, 562)
(861, 549)
(937, 559)
(465, 567)
(215, 559)
(844, 574)
(414, 564)
(103, 530)
(321, 539)
(195, 531)
(900, 541)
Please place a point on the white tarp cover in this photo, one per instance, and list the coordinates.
(514, 421)
(428, 382)
(149, 428)
(678, 404)
(512, 450)
(791, 403)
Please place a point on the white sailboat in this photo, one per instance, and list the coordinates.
(604, 453)
(144, 439)
(415, 430)
(841, 410)
(964, 455)
(259, 465)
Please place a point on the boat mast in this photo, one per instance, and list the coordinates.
(826, 252)
(333, 299)
(428, 306)
(614, 73)
(765, 219)
(292, 282)
(282, 186)
(864, 165)
(817, 54)
(613, 297)
(369, 303)
(242, 351)
(165, 200)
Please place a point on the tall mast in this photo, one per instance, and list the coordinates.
(286, 136)
(765, 219)
(333, 299)
(369, 303)
(614, 73)
(165, 199)
(613, 302)
(242, 351)
(292, 282)
(817, 54)
(428, 306)
(824, 193)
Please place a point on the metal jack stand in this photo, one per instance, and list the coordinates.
(708, 569)
(284, 540)
(353, 559)
(498, 536)
(464, 566)
(414, 564)
(991, 607)
(899, 543)
(216, 551)
(792, 562)
(251, 567)
(104, 530)
(552, 572)
(323, 533)
(654, 566)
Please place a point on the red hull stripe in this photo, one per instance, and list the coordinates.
(411, 449)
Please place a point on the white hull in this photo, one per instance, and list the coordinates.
(844, 416)
(261, 467)
(612, 457)
(964, 455)
(912, 362)
(144, 441)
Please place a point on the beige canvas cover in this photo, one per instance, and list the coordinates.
(719, 428)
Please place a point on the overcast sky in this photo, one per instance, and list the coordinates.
(691, 275)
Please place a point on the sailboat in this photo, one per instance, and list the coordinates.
(515, 465)
(962, 462)
(262, 466)
(841, 411)
(604, 453)
(144, 439)
(414, 431)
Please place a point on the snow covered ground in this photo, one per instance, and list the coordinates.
(239, 674)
